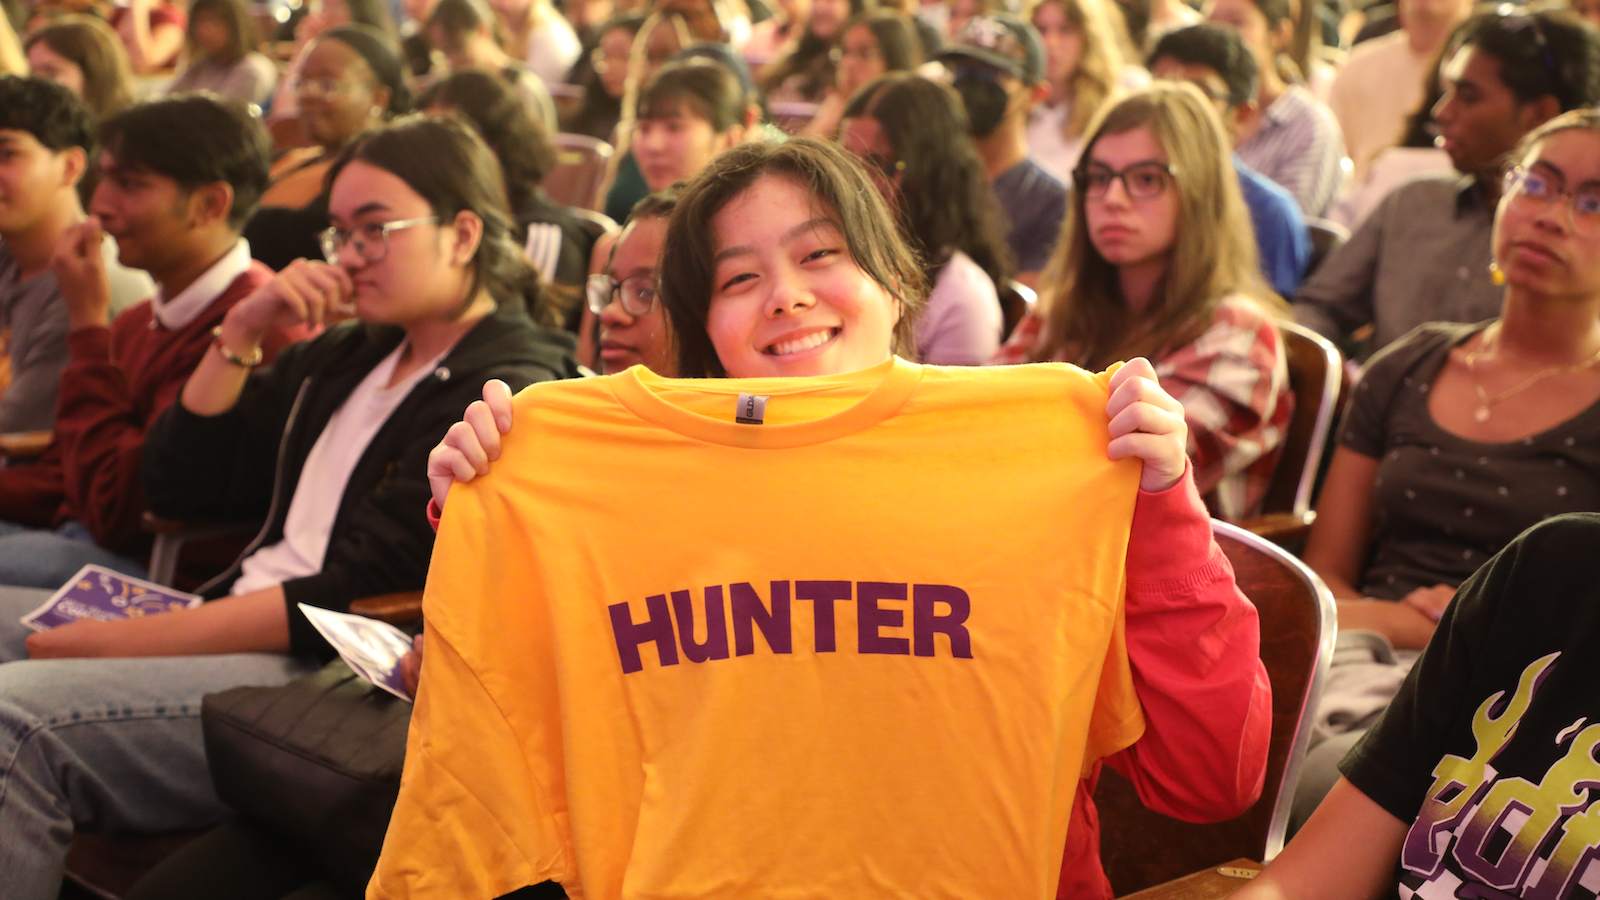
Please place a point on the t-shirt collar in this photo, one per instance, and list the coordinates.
(192, 301)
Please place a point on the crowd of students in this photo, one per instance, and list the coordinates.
(302, 282)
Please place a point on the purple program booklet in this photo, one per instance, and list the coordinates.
(99, 593)
(370, 647)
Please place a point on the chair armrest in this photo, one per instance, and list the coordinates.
(1207, 884)
(188, 530)
(396, 609)
(1287, 530)
(23, 444)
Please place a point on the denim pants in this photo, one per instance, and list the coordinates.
(38, 557)
(106, 745)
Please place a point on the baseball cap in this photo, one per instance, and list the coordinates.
(1002, 41)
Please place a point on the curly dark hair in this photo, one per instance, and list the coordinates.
(946, 201)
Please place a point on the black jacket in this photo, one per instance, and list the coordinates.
(245, 463)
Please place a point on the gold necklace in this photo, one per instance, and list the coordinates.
(1486, 402)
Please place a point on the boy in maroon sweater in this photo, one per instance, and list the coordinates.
(181, 176)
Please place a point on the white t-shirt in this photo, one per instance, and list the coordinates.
(327, 470)
(553, 49)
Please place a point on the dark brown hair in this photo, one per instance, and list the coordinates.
(841, 189)
(235, 16)
(698, 86)
(505, 123)
(448, 165)
(93, 47)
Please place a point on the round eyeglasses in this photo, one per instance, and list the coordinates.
(370, 240)
(1141, 181)
(1539, 190)
(637, 294)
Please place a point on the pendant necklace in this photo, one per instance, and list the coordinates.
(1486, 403)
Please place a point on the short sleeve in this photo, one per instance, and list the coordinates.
(473, 819)
(1366, 422)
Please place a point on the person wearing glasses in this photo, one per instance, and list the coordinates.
(328, 445)
(633, 326)
(352, 80)
(1423, 254)
(1461, 436)
(1131, 277)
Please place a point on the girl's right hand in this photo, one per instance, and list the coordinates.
(305, 292)
(472, 443)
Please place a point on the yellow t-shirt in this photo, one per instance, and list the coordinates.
(864, 648)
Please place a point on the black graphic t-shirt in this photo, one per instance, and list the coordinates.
(1489, 748)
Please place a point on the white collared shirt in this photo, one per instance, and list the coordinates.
(192, 301)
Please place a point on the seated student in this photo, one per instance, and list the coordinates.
(607, 75)
(912, 135)
(222, 55)
(1129, 278)
(1201, 753)
(555, 239)
(1423, 254)
(1084, 43)
(1458, 437)
(804, 70)
(181, 176)
(998, 67)
(465, 32)
(83, 55)
(1285, 133)
(1216, 61)
(687, 113)
(869, 48)
(540, 36)
(633, 326)
(1478, 780)
(353, 81)
(444, 302)
(325, 16)
(45, 139)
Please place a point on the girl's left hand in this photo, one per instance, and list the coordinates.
(1147, 422)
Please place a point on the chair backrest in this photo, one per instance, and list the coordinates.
(1315, 376)
(1016, 301)
(580, 166)
(1141, 848)
(792, 117)
(1326, 236)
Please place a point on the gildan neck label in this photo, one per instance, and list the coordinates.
(751, 409)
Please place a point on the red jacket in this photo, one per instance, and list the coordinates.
(1194, 644)
(117, 380)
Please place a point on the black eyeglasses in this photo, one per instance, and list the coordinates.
(637, 294)
(1141, 181)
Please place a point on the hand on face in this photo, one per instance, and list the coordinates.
(472, 443)
(305, 292)
(1146, 422)
(80, 270)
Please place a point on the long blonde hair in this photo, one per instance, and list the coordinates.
(1106, 47)
(12, 60)
(1213, 254)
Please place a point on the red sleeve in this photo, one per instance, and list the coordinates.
(101, 429)
(1194, 642)
(435, 513)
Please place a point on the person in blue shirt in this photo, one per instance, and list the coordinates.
(1215, 59)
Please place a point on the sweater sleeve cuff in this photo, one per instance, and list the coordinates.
(1171, 535)
(435, 513)
(91, 344)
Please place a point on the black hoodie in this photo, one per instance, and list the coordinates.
(244, 464)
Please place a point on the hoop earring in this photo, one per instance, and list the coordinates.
(1497, 276)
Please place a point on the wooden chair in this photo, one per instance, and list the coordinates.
(792, 117)
(21, 446)
(1326, 236)
(1141, 848)
(1016, 301)
(109, 865)
(1316, 373)
(580, 166)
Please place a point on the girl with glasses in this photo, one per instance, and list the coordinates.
(763, 276)
(1460, 436)
(1157, 259)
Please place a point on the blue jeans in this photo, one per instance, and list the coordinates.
(108, 745)
(37, 557)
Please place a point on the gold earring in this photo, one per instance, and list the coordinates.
(1497, 276)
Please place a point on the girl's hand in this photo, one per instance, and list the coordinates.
(411, 667)
(1147, 422)
(305, 292)
(1431, 601)
(472, 443)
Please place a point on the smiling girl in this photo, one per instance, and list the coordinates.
(782, 261)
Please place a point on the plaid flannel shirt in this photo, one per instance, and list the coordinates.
(1234, 386)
